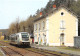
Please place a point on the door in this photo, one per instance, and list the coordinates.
(62, 39)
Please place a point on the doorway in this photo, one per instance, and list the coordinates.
(62, 39)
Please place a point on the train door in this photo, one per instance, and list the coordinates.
(17, 38)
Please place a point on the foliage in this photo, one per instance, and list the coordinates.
(27, 25)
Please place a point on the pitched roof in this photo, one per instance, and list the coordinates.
(54, 10)
(39, 18)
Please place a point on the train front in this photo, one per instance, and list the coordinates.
(25, 39)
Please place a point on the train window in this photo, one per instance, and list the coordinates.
(25, 35)
(16, 37)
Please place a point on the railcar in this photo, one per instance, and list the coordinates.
(21, 38)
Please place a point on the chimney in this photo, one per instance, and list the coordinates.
(40, 14)
(54, 6)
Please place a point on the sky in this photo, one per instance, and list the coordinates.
(12, 9)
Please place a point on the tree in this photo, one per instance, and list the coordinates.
(14, 27)
(11, 28)
(22, 26)
(17, 25)
(29, 24)
(63, 2)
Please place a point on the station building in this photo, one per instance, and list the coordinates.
(57, 28)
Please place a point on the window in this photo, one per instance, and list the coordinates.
(36, 26)
(62, 13)
(62, 24)
(16, 37)
(35, 37)
(43, 25)
(39, 26)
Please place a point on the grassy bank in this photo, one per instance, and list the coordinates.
(70, 48)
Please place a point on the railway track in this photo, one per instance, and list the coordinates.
(10, 52)
(15, 51)
(45, 52)
(4, 43)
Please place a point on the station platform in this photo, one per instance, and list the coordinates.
(57, 49)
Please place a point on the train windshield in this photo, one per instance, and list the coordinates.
(24, 35)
